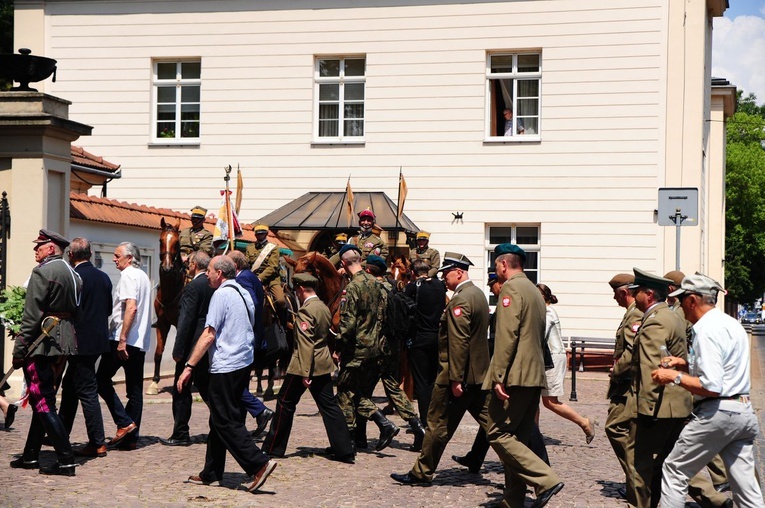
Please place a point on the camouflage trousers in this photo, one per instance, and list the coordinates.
(388, 373)
(353, 392)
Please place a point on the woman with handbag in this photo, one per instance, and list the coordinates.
(556, 375)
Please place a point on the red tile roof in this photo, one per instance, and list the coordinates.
(87, 159)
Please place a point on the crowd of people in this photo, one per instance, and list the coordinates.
(678, 391)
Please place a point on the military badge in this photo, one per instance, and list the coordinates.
(506, 301)
(369, 245)
(635, 327)
(304, 326)
(457, 311)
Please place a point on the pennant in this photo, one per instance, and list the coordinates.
(239, 187)
(349, 202)
(227, 226)
(402, 191)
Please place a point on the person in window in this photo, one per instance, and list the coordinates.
(519, 128)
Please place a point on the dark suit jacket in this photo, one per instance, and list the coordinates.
(249, 281)
(92, 322)
(192, 311)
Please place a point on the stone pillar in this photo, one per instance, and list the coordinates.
(35, 159)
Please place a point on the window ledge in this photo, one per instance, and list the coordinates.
(338, 142)
(174, 142)
(513, 139)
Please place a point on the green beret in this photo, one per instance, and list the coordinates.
(348, 246)
(510, 248)
(304, 279)
(378, 262)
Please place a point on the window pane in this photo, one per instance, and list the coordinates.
(190, 94)
(528, 107)
(191, 70)
(501, 63)
(533, 275)
(531, 125)
(166, 94)
(532, 261)
(329, 92)
(329, 67)
(528, 63)
(500, 235)
(166, 112)
(166, 70)
(354, 128)
(328, 128)
(528, 88)
(190, 112)
(354, 92)
(354, 66)
(166, 129)
(189, 129)
(527, 235)
(329, 112)
(354, 111)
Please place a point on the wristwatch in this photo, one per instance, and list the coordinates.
(190, 366)
(677, 380)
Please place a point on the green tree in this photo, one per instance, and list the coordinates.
(745, 201)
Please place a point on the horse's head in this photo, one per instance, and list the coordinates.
(401, 269)
(169, 245)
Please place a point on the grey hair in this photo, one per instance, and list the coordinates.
(709, 299)
(239, 260)
(201, 259)
(513, 260)
(133, 252)
(226, 266)
(80, 249)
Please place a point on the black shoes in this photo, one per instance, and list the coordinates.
(171, 441)
(410, 479)
(262, 420)
(388, 430)
(419, 434)
(545, 496)
(59, 469)
(21, 463)
(465, 461)
(10, 416)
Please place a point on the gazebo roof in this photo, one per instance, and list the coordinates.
(328, 210)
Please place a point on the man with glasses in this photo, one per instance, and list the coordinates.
(717, 373)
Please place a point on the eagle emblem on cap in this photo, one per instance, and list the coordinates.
(457, 311)
(506, 301)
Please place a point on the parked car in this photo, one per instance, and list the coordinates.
(751, 318)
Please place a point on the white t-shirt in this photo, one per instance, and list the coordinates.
(135, 285)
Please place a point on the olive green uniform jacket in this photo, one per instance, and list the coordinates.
(311, 356)
(518, 358)
(199, 240)
(620, 383)
(463, 348)
(370, 244)
(431, 256)
(268, 271)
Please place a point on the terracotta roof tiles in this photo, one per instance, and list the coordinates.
(88, 160)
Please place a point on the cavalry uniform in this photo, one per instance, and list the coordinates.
(264, 258)
(425, 253)
(368, 244)
(196, 237)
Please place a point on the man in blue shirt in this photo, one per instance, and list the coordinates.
(228, 340)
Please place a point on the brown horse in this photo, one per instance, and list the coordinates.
(331, 282)
(401, 269)
(172, 277)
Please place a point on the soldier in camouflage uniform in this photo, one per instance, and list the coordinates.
(196, 237)
(430, 256)
(362, 307)
(366, 241)
(388, 370)
(263, 256)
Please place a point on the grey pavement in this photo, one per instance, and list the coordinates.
(153, 475)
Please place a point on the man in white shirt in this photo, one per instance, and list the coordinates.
(718, 376)
(130, 327)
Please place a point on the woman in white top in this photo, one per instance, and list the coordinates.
(556, 375)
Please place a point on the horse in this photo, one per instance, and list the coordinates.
(331, 282)
(401, 269)
(172, 277)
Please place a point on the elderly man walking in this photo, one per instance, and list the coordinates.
(718, 375)
(228, 340)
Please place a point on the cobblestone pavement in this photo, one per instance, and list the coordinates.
(153, 475)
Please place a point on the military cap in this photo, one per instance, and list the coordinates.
(377, 261)
(348, 246)
(676, 276)
(342, 237)
(621, 279)
(649, 280)
(47, 235)
(423, 235)
(260, 228)
(510, 248)
(699, 284)
(366, 213)
(198, 211)
(492, 278)
(304, 279)
(455, 260)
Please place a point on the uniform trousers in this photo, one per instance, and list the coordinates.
(653, 439)
(511, 424)
(292, 389)
(353, 393)
(80, 385)
(182, 401)
(617, 429)
(133, 368)
(717, 426)
(423, 364)
(444, 415)
(387, 371)
(227, 430)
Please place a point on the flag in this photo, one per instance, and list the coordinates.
(402, 190)
(239, 187)
(349, 201)
(227, 227)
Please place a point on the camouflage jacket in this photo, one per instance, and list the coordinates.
(362, 307)
(201, 240)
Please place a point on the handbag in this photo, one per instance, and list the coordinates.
(276, 341)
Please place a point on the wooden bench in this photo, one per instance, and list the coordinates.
(599, 351)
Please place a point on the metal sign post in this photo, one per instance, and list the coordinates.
(678, 206)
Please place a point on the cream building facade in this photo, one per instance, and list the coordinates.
(611, 101)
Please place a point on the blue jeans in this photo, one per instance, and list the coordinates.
(133, 367)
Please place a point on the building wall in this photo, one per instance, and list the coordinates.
(622, 112)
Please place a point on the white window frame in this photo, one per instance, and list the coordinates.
(514, 75)
(537, 248)
(342, 80)
(178, 82)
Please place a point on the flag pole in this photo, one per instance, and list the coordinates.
(398, 210)
(229, 222)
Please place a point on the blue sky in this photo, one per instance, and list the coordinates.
(738, 49)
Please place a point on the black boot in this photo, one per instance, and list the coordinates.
(360, 436)
(388, 430)
(58, 435)
(35, 435)
(419, 434)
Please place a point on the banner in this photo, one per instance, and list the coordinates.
(227, 227)
(402, 190)
(349, 202)
(239, 187)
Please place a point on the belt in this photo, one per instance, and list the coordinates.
(743, 398)
(60, 315)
